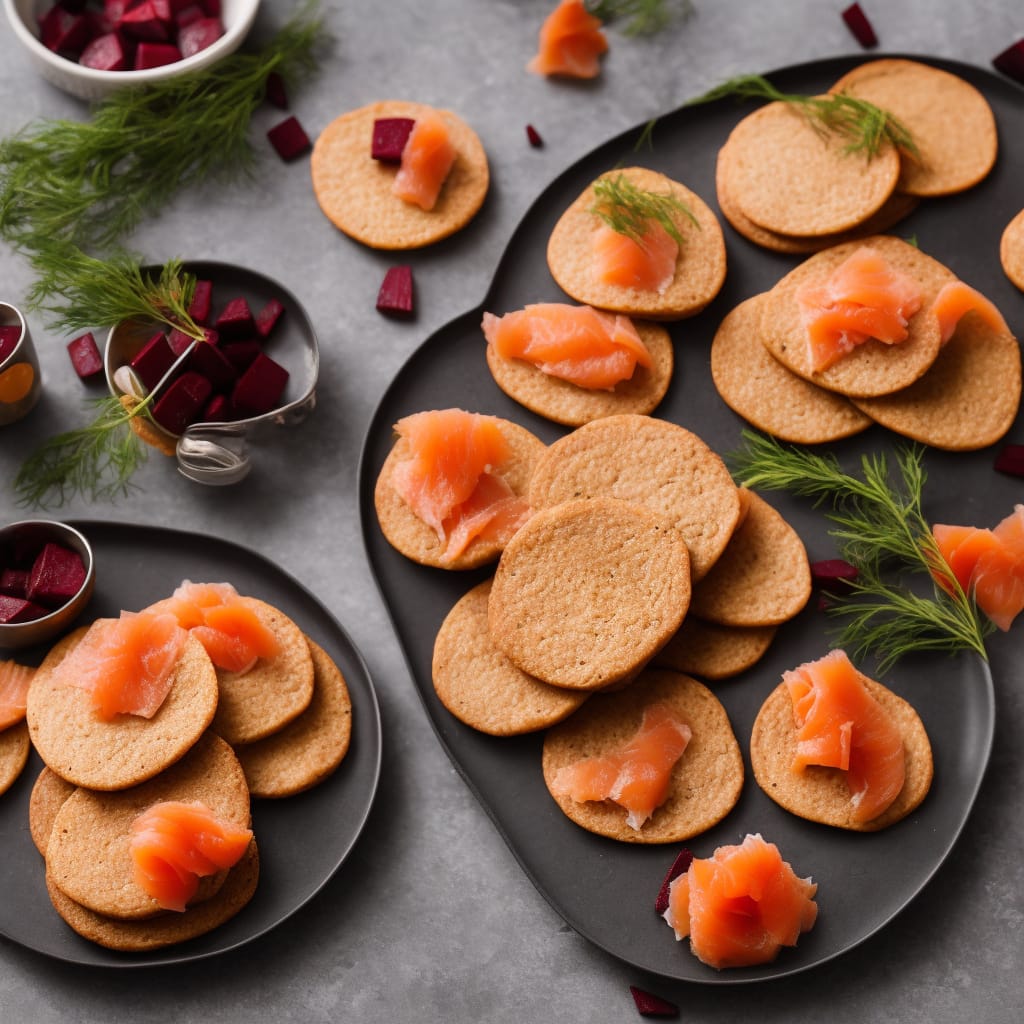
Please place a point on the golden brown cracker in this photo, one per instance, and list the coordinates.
(714, 652)
(85, 750)
(354, 190)
(650, 462)
(478, 684)
(88, 855)
(873, 368)
(588, 591)
(706, 781)
(700, 267)
(416, 539)
(571, 405)
(791, 179)
(1011, 250)
(763, 577)
(14, 748)
(950, 121)
(759, 388)
(48, 795)
(310, 747)
(969, 398)
(821, 794)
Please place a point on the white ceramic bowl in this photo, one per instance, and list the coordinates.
(90, 84)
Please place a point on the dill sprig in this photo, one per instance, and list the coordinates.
(881, 529)
(91, 183)
(645, 17)
(628, 209)
(867, 126)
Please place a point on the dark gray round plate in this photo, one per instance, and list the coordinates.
(136, 565)
(606, 890)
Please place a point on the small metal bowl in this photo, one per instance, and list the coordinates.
(37, 532)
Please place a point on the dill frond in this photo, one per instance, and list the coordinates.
(628, 210)
(643, 17)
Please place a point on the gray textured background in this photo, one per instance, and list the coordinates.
(431, 918)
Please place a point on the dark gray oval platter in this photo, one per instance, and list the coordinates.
(606, 890)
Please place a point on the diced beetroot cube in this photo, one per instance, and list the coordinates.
(679, 867)
(260, 388)
(857, 22)
(14, 582)
(179, 341)
(188, 14)
(113, 10)
(153, 360)
(199, 35)
(268, 316)
(289, 138)
(650, 1005)
(85, 356)
(235, 320)
(390, 135)
(217, 410)
(199, 307)
(63, 31)
(1011, 61)
(833, 574)
(56, 576)
(105, 53)
(182, 402)
(395, 295)
(534, 136)
(10, 335)
(17, 609)
(212, 7)
(149, 20)
(213, 365)
(1011, 460)
(155, 55)
(242, 353)
(276, 92)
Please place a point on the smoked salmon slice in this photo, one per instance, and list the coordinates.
(14, 684)
(452, 480)
(637, 776)
(571, 42)
(587, 347)
(427, 160)
(841, 725)
(174, 844)
(647, 264)
(988, 564)
(740, 906)
(956, 300)
(126, 665)
(863, 298)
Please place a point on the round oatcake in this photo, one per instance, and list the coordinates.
(969, 398)
(873, 368)
(165, 929)
(714, 652)
(14, 748)
(950, 121)
(480, 686)
(1011, 250)
(649, 462)
(309, 748)
(700, 266)
(821, 794)
(415, 539)
(588, 591)
(763, 577)
(85, 750)
(759, 388)
(48, 795)
(354, 190)
(88, 855)
(706, 780)
(564, 402)
(788, 177)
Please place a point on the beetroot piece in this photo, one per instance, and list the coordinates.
(17, 609)
(1011, 61)
(235, 320)
(260, 388)
(534, 136)
(113, 11)
(268, 316)
(85, 356)
(56, 576)
(10, 335)
(395, 295)
(153, 360)
(212, 7)
(14, 582)
(650, 1005)
(186, 15)
(182, 402)
(857, 22)
(1011, 460)
(217, 410)
(289, 138)
(199, 307)
(199, 35)
(179, 341)
(390, 135)
(63, 31)
(276, 92)
(833, 575)
(242, 353)
(679, 867)
(149, 20)
(155, 55)
(213, 365)
(105, 53)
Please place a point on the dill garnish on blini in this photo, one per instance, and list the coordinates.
(629, 210)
